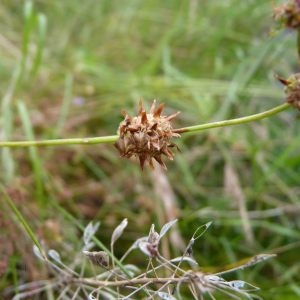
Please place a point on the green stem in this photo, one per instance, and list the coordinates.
(60, 142)
(113, 138)
(22, 221)
(236, 121)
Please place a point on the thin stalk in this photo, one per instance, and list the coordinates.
(131, 282)
(113, 138)
(61, 142)
(22, 221)
(236, 121)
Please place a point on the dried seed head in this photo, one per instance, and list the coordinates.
(150, 246)
(292, 89)
(98, 258)
(288, 14)
(147, 136)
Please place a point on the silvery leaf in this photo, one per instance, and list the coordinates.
(202, 230)
(136, 243)
(242, 285)
(54, 255)
(37, 252)
(90, 231)
(166, 227)
(88, 246)
(165, 296)
(118, 231)
(144, 247)
(184, 258)
(214, 278)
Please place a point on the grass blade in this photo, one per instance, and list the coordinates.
(38, 171)
(22, 221)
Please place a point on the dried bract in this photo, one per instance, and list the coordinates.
(98, 258)
(147, 136)
(288, 14)
(292, 89)
(150, 246)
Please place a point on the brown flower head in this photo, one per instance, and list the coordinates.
(147, 136)
(288, 14)
(292, 89)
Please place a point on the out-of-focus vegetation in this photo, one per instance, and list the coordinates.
(68, 68)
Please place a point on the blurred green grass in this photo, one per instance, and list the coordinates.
(68, 68)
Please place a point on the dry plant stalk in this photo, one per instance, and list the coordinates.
(162, 279)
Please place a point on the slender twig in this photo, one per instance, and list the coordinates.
(131, 282)
(237, 121)
(60, 142)
(113, 138)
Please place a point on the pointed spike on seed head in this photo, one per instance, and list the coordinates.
(142, 159)
(144, 118)
(151, 163)
(154, 126)
(167, 152)
(152, 109)
(173, 116)
(159, 160)
(282, 80)
(176, 135)
(127, 119)
(159, 110)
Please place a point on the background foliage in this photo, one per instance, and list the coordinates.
(68, 68)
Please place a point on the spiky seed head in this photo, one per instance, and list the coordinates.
(147, 136)
(288, 14)
(292, 89)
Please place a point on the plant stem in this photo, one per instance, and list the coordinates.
(130, 282)
(236, 121)
(58, 142)
(113, 138)
(22, 221)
